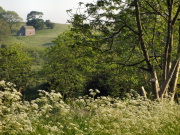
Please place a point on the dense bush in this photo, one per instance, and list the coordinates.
(49, 114)
(15, 64)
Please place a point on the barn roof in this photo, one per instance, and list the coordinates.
(28, 27)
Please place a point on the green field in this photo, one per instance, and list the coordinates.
(38, 42)
(42, 39)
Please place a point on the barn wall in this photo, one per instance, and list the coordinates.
(30, 32)
(26, 31)
(21, 32)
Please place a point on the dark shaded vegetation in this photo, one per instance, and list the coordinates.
(34, 18)
(48, 44)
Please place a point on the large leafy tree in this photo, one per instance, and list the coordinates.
(63, 70)
(12, 18)
(34, 18)
(74, 68)
(146, 31)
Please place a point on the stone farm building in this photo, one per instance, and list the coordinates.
(26, 31)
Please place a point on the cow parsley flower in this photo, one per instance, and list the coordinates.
(97, 91)
(2, 83)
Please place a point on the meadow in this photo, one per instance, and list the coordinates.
(87, 115)
(42, 39)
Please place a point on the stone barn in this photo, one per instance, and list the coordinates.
(26, 31)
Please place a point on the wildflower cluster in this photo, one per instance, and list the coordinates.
(85, 115)
(37, 116)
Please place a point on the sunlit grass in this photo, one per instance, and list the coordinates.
(42, 39)
(49, 114)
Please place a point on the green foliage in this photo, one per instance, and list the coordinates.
(49, 114)
(35, 45)
(34, 19)
(34, 15)
(110, 26)
(36, 23)
(4, 32)
(61, 69)
(49, 24)
(15, 65)
(106, 52)
(75, 65)
(12, 18)
(2, 12)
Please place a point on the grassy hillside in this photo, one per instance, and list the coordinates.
(42, 39)
(36, 44)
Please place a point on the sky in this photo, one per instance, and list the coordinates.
(53, 10)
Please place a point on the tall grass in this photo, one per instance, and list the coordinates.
(49, 114)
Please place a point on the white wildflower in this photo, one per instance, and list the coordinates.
(103, 97)
(97, 91)
(91, 90)
(2, 83)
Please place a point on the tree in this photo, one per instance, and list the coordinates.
(15, 65)
(2, 12)
(49, 24)
(12, 18)
(4, 32)
(34, 15)
(73, 69)
(145, 29)
(34, 19)
(36, 23)
(61, 69)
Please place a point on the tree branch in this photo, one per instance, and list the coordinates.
(131, 29)
(143, 45)
(125, 24)
(130, 55)
(134, 64)
(169, 77)
(176, 16)
(156, 11)
(130, 65)
(112, 38)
